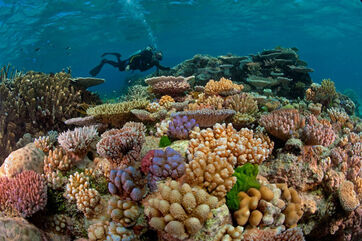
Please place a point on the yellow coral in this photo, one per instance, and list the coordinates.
(222, 87)
(166, 101)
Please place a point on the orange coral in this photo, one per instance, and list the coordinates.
(166, 101)
(222, 87)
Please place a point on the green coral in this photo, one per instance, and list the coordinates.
(246, 178)
(165, 141)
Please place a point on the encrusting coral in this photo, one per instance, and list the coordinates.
(178, 209)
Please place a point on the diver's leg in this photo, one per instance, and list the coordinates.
(115, 54)
(97, 69)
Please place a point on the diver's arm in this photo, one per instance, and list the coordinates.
(157, 64)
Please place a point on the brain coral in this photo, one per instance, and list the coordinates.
(26, 158)
(179, 210)
(24, 195)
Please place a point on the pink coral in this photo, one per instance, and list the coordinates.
(122, 146)
(146, 161)
(282, 123)
(169, 85)
(316, 133)
(25, 194)
(77, 142)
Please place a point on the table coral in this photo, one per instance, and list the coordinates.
(180, 127)
(282, 123)
(222, 87)
(169, 85)
(179, 210)
(24, 194)
(77, 142)
(127, 183)
(206, 117)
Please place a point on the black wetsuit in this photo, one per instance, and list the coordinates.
(142, 60)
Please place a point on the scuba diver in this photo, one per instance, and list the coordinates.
(142, 60)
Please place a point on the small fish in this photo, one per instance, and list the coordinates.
(37, 49)
(68, 48)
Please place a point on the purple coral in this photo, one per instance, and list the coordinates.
(127, 183)
(167, 163)
(180, 127)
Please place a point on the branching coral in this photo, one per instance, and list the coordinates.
(36, 103)
(166, 101)
(127, 183)
(180, 127)
(179, 210)
(282, 123)
(236, 147)
(242, 103)
(316, 133)
(222, 87)
(206, 117)
(78, 141)
(169, 85)
(324, 94)
(23, 195)
(122, 146)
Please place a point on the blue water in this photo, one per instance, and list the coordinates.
(48, 36)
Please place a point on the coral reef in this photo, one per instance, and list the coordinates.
(36, 103)
(206, 117)
(179, 210)
(222, 87)
(169, 85)
(180, 127)
(24, 194)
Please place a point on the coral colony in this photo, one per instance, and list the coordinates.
(217, 148)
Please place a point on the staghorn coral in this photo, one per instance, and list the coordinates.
(127, 183)
(116, 114)
(167, 163)
(122, 146)
(325, 93)
(25, 158)
(282, 123)
(36, 103)
(222, 87)
(124, 212)
(206, 117)
(236, 147)
(179, 210)
(78, 142)
(24, 194)
(316, 133)
(242, 103)
(180, 127)
(169, 85)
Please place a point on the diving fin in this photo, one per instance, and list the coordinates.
(96, 69)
